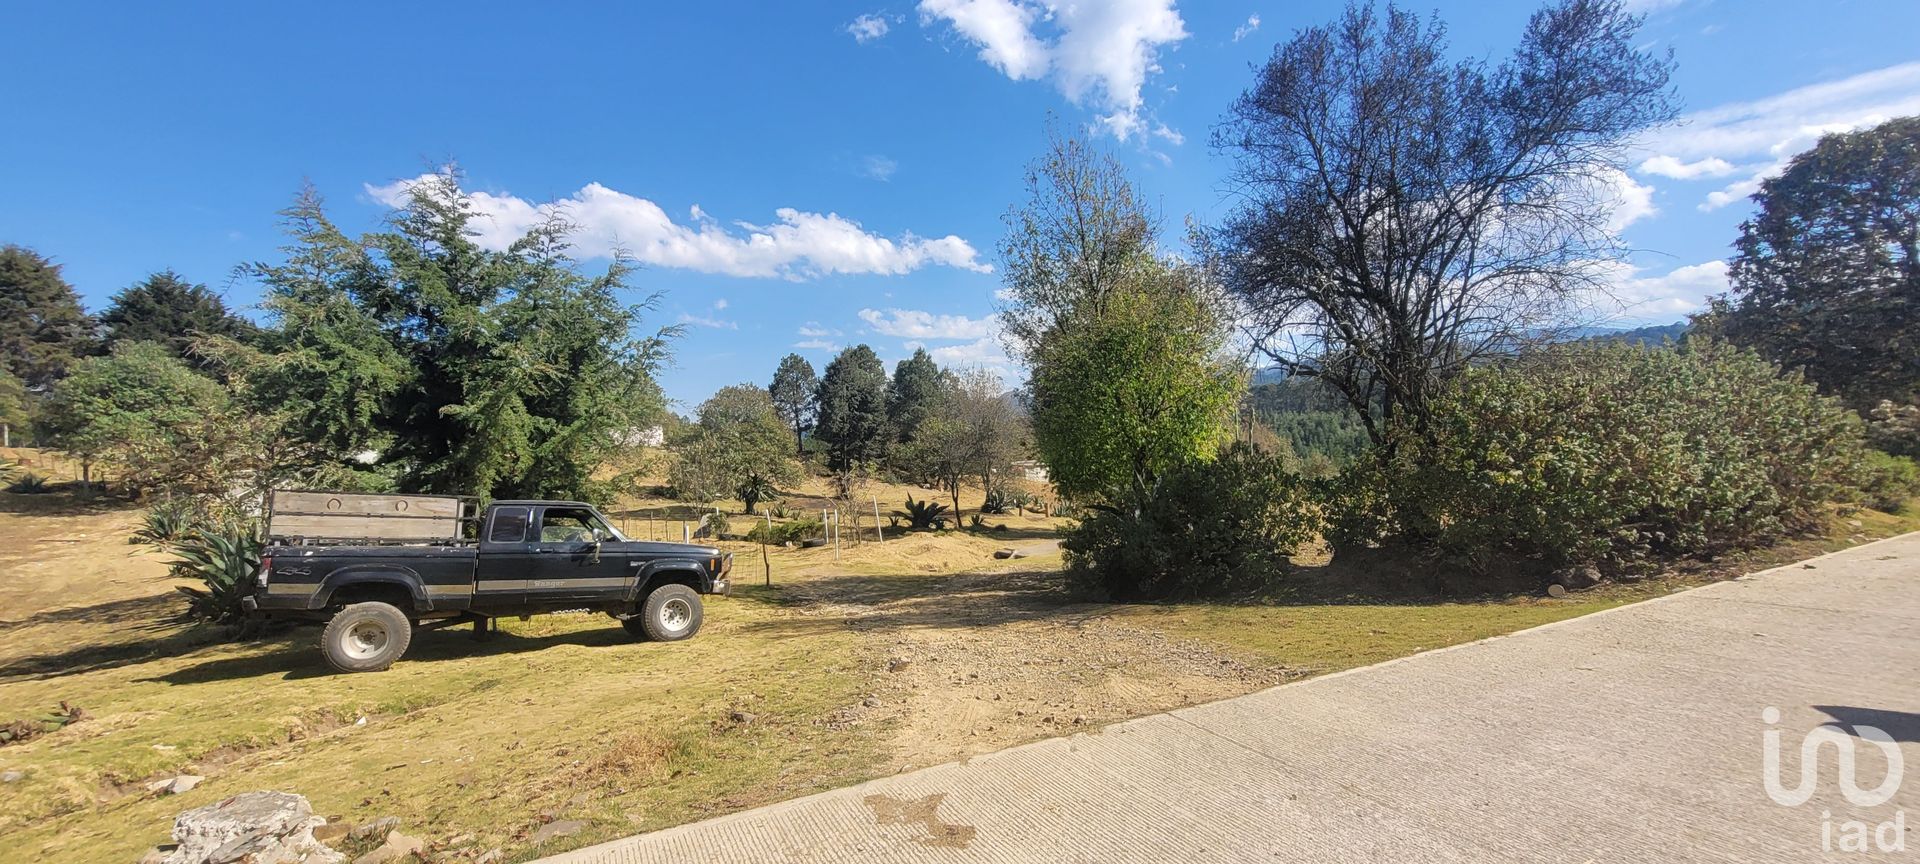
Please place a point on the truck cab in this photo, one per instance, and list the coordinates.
(373, 567)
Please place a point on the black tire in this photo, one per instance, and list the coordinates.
(671, 613)
(635, 627)
(366, 637)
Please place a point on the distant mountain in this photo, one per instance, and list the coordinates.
(1656, 335)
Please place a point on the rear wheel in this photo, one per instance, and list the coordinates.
(670, 614)
(366, 637)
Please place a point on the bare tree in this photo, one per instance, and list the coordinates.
(1081, 235)
(1404, 214)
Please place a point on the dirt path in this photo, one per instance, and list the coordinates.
(976, 662)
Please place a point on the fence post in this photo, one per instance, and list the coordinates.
(880, 535)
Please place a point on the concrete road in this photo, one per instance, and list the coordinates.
(1634, 735)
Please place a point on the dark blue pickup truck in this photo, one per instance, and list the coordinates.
(373, 567)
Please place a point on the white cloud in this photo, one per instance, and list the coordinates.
(1000, 28)
(867, 28)
(720, 304)
(1632, 201)
(813, 329)
(1680, 291)
(1667, 166)
(1098, 52)
(816, 345)
(1760, 137)
(1245, 30)
(984, 352)
(708, 321)
(878, 168)
(915, 324)
(798, 245)
(1641, 7)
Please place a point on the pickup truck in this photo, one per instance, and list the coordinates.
(373, 567)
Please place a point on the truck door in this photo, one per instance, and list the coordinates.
(569, 561)
(506, 560)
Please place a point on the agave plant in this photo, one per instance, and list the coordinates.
(167, 522)
(225, 560)
(997, 502)
(30, 484)
(926, 515)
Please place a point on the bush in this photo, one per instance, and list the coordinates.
(1209, 529)
(784, 532)
(1891, 481)
(1610, 456)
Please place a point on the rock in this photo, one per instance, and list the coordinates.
(742, 717)
(377, 828)
(1009, 552)
(555, 830)
(12, 776)
(175, 785)
(332, 831)
(1556, 590)
(491, 856)
(1578, 577)
(898, 664)
(154, 855)
(398, 847)
(870, 702)
(267, 826)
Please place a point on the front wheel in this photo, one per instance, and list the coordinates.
(366, 637)
(671, 613)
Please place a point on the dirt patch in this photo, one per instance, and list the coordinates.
(976, 662)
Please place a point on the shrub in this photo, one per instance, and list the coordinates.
(1891, 481)
(1208, 529)
(784, 532)
(926, 515)
(1609, 455)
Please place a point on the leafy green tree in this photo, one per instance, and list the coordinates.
(796, 395)
(970, 431)
(139, 409)
(1134, 391)
(42, 327)
(915, 387)
(853, 409)
(1827, 279)
(1126, 349)
(167, 309)
(1406, 215)
(739, 449)
(467, 370)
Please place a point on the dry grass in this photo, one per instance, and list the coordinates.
(787, 691)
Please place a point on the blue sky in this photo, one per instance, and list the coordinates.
(796, 176)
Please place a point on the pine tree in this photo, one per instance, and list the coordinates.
(796, 392)
(42, 327)
(168, 309)
(853, 409)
